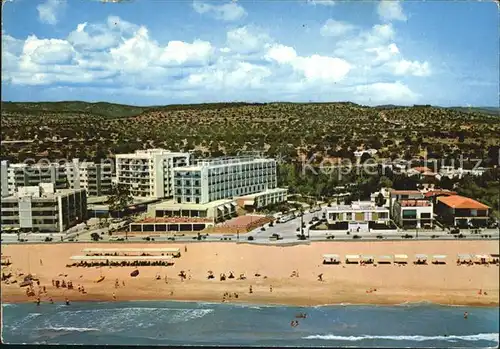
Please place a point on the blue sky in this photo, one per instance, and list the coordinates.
(162, 52)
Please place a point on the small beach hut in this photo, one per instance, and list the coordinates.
(494, 258)
(420, 259)
(400, 259)
(384, 259)
(439, 259)
(367, 259)
(352, 258)
(331, 259)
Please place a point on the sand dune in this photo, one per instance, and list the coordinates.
(446, 284)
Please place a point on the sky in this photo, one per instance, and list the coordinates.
(156, 52)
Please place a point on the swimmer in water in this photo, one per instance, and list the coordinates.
(466, 314)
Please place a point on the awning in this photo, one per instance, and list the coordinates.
(220, 208)
(400, 256)
(421, 256)
(479, 256)
(439, 256)
(366, 258)
(384, 258)
(464, 256)
(331, 256)
(228, 206)
(352, 256)
(120, 258)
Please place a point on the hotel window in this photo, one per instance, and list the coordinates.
(348, 216)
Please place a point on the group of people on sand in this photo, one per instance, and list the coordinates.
(63, 284)
(229, 296)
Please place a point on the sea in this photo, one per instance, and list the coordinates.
(189, 323)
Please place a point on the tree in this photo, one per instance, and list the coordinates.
(95, 236)
(380, 200)
(384, 182)
(119, 198)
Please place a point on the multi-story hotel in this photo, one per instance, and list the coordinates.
(149, 173)
(23, 175)
(42, 208)
(224, 178)
(95, 178)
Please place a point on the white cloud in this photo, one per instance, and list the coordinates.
(390, 10)
(384, 93)
(227, 12)
(247, 40)
(414, 68)
(336, 28)
(124, 58)
(321, 2)
(50, 10)
(313, 68)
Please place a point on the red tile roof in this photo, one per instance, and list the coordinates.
(457, 201)
(439, 192)
(405, 192)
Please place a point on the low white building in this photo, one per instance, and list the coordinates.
(358, 217)
(149, 173)
(43, 209)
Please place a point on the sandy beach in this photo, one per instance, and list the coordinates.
(443, 284)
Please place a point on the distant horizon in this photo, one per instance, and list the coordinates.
(253, 102)
(196, 51)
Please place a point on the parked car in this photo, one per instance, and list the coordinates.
(380, 237)
(407, 236)
(356, 237)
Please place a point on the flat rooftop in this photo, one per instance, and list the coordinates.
(269, 191)
(356, 207)
(173, 205)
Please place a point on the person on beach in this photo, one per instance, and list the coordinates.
(114, 296)
(271, 288)
(320, 277)
(51, 300)
(250, 289)
(185, 249)
(67, 301)
(38, 301)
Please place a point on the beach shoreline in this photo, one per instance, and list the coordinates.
(384, 285)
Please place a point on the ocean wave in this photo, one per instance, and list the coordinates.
(9, 305)
(491, 337)
(69, 329)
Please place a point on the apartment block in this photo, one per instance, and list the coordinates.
(94, 178)
(224, 178)
(149, 173)
(14, 176)
(42, 208)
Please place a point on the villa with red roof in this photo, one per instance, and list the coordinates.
(461, 211)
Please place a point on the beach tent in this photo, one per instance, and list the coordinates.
(400, 258)
(331, 258)
(439, 259)
(422, 257)
(352, 258)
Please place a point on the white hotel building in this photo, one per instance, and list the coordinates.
(42, 208)
(227, 178)
(149, 173)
